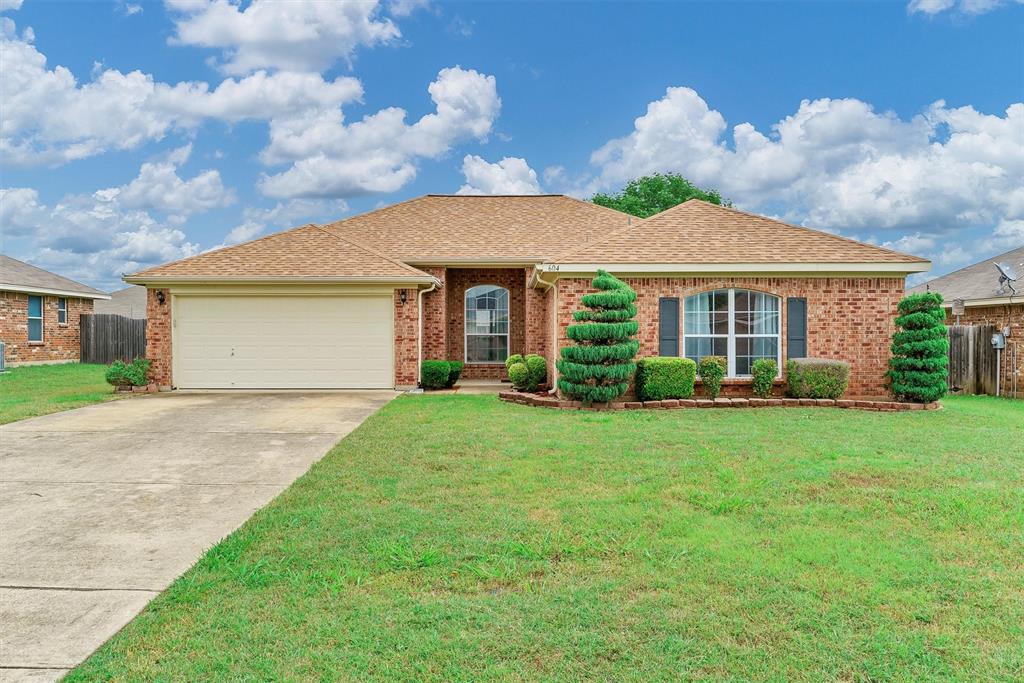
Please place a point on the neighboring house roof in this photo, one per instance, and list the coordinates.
(451, 228)
(528, 229)
(18, 276)
(978, 282)
(699, 232)
(309, 252)
(129, 302)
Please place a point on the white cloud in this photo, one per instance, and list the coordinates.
(49, 118)
(158, 186)
(6, 5)
(511, 175)
(403, 8)
(377, 153)
(300, 35)
(256, 221)
(836, 164)
(932, 7)
(20, 211)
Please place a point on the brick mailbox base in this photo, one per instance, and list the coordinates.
(554, 402)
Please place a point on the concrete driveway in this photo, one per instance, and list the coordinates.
(101, 508)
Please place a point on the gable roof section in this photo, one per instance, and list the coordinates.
(306, 253)
(977, 281)
(483, 228)
(698, 232)
(18, 276)
(129, 302)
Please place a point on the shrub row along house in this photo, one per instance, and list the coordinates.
(359, 302)
(39, 313)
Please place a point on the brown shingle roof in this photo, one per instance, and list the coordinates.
(449, 228)
(18, 276)
(306, 252)
(977, 281)
(700, 232)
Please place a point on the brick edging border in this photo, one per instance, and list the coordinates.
(562, 404)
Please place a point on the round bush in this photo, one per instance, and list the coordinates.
(454, 372)
(519, 375)
(512, 360)
(764, 371)
(434, 374)
(537, 369)
(712, 369)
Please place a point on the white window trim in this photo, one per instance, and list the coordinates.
(465, 324)
(731, 336)
(63, 311)
(41, 318)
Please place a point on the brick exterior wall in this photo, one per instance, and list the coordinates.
(1001, 316)
(435, 313)
(406, 335)
(158, 337)
(847, 318)
(61, 343)
(538, 319)
(458, 280)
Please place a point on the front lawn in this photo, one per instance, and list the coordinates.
(40, 389)
(459, 538)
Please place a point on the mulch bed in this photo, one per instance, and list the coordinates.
(542, 401)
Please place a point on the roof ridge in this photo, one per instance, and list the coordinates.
(400, 264)
(797, 227)
(50, 272)
(614, 233)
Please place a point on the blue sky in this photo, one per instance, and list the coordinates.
(136, 133)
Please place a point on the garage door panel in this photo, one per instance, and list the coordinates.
(283, 342)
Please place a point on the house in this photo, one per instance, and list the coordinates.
(39, 313)
(129, 302)
(358, 302)
(988, 302)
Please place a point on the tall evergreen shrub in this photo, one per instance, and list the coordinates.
(599, 366)
(919, 365)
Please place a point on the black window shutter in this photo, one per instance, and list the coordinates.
(796, 327)
(668, 326)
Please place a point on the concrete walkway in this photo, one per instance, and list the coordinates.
(101, 508)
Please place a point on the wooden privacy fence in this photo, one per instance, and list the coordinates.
(106, 338)
(972, 360)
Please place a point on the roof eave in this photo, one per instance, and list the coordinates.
(823, 267)
(140, 279)
(50, 291)
(989, 301)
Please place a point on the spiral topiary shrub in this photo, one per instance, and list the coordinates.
(712, 369)
(919, 367)
(600, 365)
(764, 371)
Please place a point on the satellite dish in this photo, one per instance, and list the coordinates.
(1007, 276)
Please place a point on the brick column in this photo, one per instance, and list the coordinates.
(406, 334)
(158, 337)
(435, 317)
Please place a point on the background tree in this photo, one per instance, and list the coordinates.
(919, 366)
(599, 366)
(653, 194)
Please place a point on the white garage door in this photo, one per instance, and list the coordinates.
(283, 342)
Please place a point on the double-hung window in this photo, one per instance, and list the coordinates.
(62, 311)
(486, 324)
(35, 318)
(738, 324)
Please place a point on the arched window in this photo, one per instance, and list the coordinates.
(738, 324)
(486, 324)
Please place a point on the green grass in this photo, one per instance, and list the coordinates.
(40, 389)
(458, 538)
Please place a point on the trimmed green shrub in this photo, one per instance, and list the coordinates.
(664, 377)
(512, 360)
(537, 369)
(519, 375)
(764, 371)
(919, 367)
(454, 372)
(712, 370)
(598, 368)
(434, 374)
(134, 374)
(816, 377)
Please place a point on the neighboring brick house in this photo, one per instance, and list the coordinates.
(359, 302)
(986, 303)
(39, 313)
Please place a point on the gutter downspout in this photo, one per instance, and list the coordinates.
(554, 327)
(419, 335)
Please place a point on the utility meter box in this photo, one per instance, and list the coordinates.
(998, 340)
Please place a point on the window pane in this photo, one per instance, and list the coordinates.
(35, 307)
(749, 349)
(486, 348)
(35, 329)
(486, 310)
(707, 313)
(756, 313)
(62, 311)
(698, 347)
